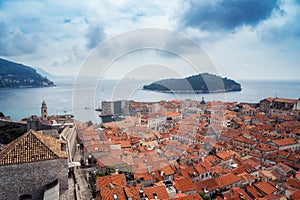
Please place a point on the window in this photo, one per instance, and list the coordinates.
(25, 197)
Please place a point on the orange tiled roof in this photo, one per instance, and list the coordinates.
(109, 194)
(173, 114)
(226, 155)
(273, 196)
(245, 140)
(247, 177)
(168, 170)
(185, 185)
(294, 183)
(227, 180)
(32, 147)
(160, 191)
(189, 197)
(133, 192)
(203, 167)
(208, 184)
(237, 194)
(145, 175)
(285, 142)
(265, 147)
(112, 180)
(265, 187)
(254, 192)
(295, 195)
(187, 171)
(125, 144)
(284, 100)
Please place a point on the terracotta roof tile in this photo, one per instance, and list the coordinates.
(226, 155)
(187, 171)
(273, 196)
(285, 100)
(32, 147)
(159, 191)
(112, 180)
(133, 192)
(294, 183)
(184, 185)
(265, 187)
(189, 197)
(237, 194)
(110, 194)
(227, 180)
(203, 167)
(167, 170)
(285, 142)
(208, 184)
(253, 191)
(125, 144)
(295, 195)
(145, 175)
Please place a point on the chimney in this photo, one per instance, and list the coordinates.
(141, 193)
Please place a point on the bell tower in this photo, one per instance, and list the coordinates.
(138, 118)
(44, 111)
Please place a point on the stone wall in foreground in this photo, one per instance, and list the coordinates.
(30, 178)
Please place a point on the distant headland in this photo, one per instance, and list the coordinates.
(15, 75)
(201, 83)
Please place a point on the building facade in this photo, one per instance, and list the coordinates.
(29, 163)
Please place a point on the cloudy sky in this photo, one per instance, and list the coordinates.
(245, 39)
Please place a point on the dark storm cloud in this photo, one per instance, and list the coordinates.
(228, 14)
(95, 35)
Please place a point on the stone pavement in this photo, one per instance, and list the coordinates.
(82, 187)
(78, 187)
(70, 193)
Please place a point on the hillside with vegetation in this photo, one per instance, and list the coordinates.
(15, 75)
(201, 83)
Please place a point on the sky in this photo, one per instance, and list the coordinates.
(244, 39)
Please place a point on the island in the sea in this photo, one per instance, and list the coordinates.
(15, 75)
(200, 83)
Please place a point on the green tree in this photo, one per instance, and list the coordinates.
(204, 197)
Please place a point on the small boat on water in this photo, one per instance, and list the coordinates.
(98, 109)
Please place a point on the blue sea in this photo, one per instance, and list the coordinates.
(81, 97)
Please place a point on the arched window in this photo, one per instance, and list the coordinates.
(25, 197)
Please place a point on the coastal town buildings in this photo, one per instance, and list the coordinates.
(183, 149)
(40, 162)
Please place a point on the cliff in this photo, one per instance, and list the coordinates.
(15, 75)
(201, 83)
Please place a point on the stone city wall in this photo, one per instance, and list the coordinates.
(30, 178)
